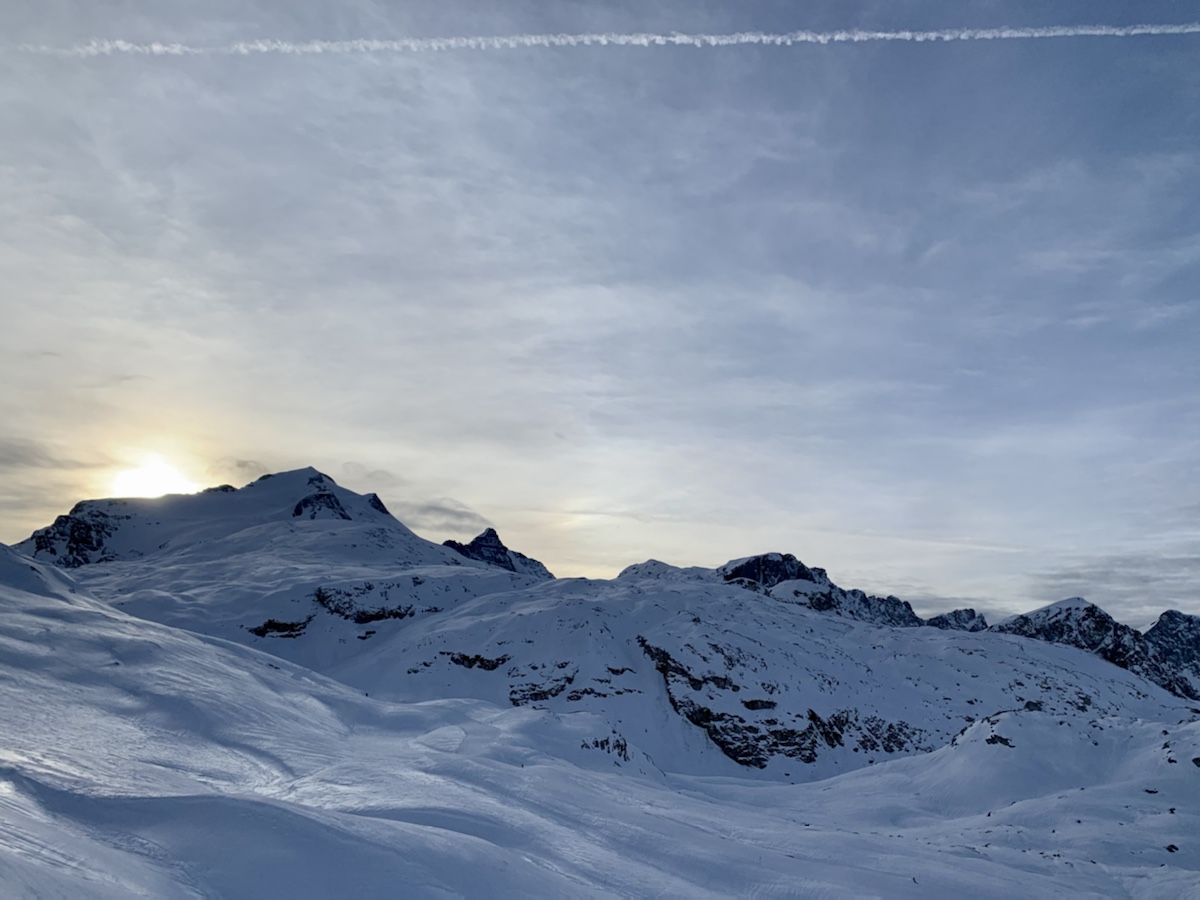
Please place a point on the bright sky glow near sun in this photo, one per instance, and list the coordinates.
(924, 313)
(154, 478)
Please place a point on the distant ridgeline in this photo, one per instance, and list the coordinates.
(766, 657)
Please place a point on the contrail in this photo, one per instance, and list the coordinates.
(604, 39)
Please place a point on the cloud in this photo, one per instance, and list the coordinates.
(16, 453)
(770, 300)
(443, 515)
(606, 39)
(237, 471)
(378, 479)
(1133, 587)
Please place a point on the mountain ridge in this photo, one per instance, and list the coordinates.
(106, 531)
(357, 566)
(343, 702)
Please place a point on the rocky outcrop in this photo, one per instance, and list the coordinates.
(753, 740)
(78, 538)
(276, 628)
(959, 620)
(783, 577)
(488, 548)
(321, 504)
(1078, 623)
(866, 608)
(765, 571)
(343, 603)
(1176, 638)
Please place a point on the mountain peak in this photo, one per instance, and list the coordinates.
(1071, 603)
(1078, 623)
(769, 569)
(488, 548)
(262, 512)
(959, 620)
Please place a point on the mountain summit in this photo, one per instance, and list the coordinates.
(1168, 657)
(488, 548)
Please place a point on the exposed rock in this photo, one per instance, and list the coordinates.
(323, 504)
(753, 742)
(488, 548)
(471, 660)
(770, 569)
(276, 628)
(959, 620)
(853, 604)
(342, 603)
(376, 504)
(782, 576)
(1176, 638)
(78, 538)
(542, 688)
(867, 608)
(1078, 623)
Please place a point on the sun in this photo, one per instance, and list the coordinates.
(154, 478)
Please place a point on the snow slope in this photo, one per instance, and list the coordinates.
(762, 667)
(433, 725)
(141, 760)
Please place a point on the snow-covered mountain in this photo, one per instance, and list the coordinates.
(289, 662)
(1168, 655)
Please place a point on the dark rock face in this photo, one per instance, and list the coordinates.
(343, 603)
(852, 604)
(881, 610)
(1176, 638)
(471, 660)
(1077, 623)
(376, 504)
(276, 628)
(78, 538)
(323, 504)
(772, 573)
(959, 620)
(488, 548)
(754, 741)
(539, 690)
(769, 569)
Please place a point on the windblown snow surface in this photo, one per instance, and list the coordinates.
(281, 691)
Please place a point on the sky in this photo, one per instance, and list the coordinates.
(924, 313)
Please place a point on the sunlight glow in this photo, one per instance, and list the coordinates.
(153, 478)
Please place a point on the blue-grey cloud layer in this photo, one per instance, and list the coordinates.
(925, 314)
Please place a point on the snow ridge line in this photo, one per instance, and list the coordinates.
(602, 39)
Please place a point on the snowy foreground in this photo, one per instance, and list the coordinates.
(312, 701)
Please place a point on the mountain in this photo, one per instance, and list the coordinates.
(144, 760)
(281, 688)
(782, 575)
(765, 666)
(1078, 623)
(244, 563)
(488, 548)
(959, 620)
(296, 514)
(1175, 638)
